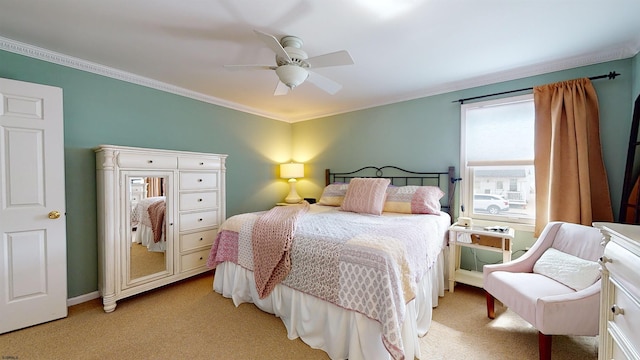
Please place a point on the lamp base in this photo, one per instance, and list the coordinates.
(293, 197)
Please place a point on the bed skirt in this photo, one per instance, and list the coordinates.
(342, 334)
(144, 236)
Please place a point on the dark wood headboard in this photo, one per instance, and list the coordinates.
(445, 180)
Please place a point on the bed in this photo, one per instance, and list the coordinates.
(359, 281)
(147, 218)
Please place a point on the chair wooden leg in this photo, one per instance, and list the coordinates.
(544, 346)
(491, 312)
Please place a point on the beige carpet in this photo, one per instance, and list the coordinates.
(189, 321)
(145, 262)
(462, 330)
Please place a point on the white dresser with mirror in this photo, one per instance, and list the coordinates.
(158, 214)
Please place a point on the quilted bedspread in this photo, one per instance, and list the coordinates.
(365, 263)
(140, 213)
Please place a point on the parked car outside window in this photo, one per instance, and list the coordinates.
(493, 204)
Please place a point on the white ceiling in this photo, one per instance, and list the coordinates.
(403, 49)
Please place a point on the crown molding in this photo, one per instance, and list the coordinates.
(84, 65)
(620, 53)
(623, 51)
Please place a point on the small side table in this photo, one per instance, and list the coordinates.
(480, 239)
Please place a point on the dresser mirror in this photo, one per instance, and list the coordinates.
(149, 227)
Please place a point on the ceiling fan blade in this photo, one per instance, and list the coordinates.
(337, 58)
(273, 44)
(324, 83)
(281, 89)
(250, 67)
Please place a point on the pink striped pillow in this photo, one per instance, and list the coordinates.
(413, 199)
(366, 195)
(333, 194)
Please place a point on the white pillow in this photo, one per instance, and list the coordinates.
(567, 269)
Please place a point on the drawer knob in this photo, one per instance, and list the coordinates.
(150, 161)
(200, 257)
(199, 199)
(201, 239)
(199, 219)
(201, 163)
(617, 310)
(199, 180)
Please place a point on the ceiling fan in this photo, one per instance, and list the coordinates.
(293, 66)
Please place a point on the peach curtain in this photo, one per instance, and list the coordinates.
(155, 186)
(571, 180)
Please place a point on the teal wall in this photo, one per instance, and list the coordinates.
(100, 110)
(636, 76)
(421, 134)
(424, 134)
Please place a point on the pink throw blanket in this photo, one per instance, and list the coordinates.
(156, 215)
(271, 241)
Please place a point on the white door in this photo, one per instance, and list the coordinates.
(33, 243)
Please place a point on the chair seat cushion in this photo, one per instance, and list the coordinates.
(570, 270)
(521, 291)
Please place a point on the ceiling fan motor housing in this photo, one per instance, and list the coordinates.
(297, 56)
(292, 75)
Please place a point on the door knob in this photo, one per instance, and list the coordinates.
(54, 214)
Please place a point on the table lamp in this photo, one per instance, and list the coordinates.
(292, 171)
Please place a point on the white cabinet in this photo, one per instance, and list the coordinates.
(620, 294)
(475, 238)
(158, 214)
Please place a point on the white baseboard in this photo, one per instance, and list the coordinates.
(82, 298)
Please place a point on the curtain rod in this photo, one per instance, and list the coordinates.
(610, 76)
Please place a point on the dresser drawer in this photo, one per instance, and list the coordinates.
(626, 315)
(142, 161)
(194, 260)
(191, 221)
(198, 180)
(197, 239)
(199, 200)
(199, 163)
(623, 266)
(618, 353)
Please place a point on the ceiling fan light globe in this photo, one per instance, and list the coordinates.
(292, 75)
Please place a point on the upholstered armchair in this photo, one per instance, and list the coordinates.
(558, 290)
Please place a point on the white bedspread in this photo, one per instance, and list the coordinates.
(141, 220)
(373, 265)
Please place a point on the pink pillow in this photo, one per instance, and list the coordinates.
(413, 199)
(366, 195)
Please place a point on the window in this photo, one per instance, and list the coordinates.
(498, 178)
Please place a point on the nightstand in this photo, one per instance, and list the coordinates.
(479, 239)
(309, 200)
